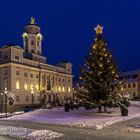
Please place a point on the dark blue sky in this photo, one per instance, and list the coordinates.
(68, 27)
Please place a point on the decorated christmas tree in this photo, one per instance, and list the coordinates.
(98, 75)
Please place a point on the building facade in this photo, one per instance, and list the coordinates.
(25, 74)
(131, 81)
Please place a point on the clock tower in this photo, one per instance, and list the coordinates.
(32, 38)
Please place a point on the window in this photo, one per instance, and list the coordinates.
(37, 76)
(25, 74)
(5, 73)
(127, 76)
(69, 89)
(31, 87)
(59, 79)
(129, 85)
(124, 85)
(32, 42)
(17, 98)
(25, 86)
(38, 52)
(27, 98)
(31, 75)
(59, 89)
(63, 89)
(63, 80)
(5, 56)
(134, 76)
(17, 72)
(43, 76)
(17, 57)
(37, 87)
(69, 80)
(134, 85)
(17, 85)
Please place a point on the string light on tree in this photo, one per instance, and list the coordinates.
(99, 74)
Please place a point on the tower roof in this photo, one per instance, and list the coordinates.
(32, 27)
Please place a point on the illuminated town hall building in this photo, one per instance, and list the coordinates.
(25, 74)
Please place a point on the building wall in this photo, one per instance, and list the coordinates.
(25, 74)
(20, 73)
(131, 83)
(131, 89)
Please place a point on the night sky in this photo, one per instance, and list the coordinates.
(68, 27)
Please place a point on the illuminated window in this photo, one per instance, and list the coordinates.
(31, 87)
(63, 89)
(43, 88)
(69, 89)
(37, 87)
(59, 88)
(17, 85)
(25, 86)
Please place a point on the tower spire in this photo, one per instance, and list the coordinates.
(32, 20)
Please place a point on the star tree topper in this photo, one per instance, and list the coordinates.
(98, 29)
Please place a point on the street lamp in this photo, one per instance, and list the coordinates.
(32, 92)
(5, 93)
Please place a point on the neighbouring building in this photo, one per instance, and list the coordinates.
(25, 75)
(131, 81)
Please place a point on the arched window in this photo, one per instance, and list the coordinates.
(32, 42)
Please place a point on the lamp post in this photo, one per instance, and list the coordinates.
(32, 92)
(5, 93)
(1, 105)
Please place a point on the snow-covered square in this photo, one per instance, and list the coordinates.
(78, 117)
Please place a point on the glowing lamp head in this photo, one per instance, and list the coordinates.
(39, 36)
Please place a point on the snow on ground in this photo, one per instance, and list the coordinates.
(30, 134)
(80, 117)
(11, 114)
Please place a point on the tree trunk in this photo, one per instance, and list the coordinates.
(99, 109)
(105, 109)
